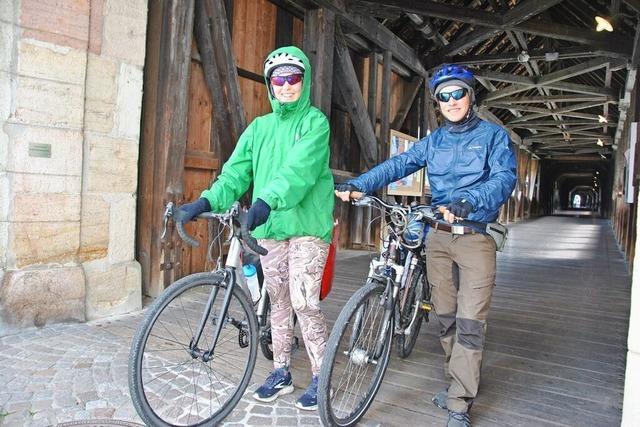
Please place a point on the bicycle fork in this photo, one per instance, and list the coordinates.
(229, 277)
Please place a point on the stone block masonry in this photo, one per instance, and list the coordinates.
(70, 102)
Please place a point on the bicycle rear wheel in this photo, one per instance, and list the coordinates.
(351, 372)
(405, 343)
(170, 386)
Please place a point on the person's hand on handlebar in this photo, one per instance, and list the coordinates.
(189, 211)
(347, 192)
(258, 214)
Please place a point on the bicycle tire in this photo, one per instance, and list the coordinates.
(266, 345)
(183, 296)
(406, 343)
(351, 324)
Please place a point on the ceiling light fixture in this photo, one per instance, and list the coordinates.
(602, 119)
(603, 24)
(600, 143)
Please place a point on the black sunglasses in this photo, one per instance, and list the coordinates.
(457, 94)
(292, 79)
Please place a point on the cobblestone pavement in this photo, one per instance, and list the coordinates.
(71, 372)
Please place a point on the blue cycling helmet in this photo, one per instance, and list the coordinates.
(450, 72)
(415, 231)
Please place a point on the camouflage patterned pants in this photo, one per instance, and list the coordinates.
(293, 272)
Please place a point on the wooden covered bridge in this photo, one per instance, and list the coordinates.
(567, 94)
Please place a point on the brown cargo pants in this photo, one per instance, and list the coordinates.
(461, 306)
(293, 274)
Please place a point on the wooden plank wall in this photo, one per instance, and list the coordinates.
(624, 214)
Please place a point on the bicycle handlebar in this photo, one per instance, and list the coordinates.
(235, 213)
(251, 241)
(184, 236)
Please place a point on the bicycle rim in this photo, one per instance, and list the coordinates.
(351, 374)
(168, 385)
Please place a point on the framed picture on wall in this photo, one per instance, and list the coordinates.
(412, 185)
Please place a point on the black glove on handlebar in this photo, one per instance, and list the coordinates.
(187, 212)
(461, 208)
(257, 214)
(346, 187)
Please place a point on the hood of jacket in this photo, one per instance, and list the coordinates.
(301, 106)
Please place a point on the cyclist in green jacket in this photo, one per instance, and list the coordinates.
(286, 156)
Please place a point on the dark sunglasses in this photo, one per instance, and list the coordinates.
(291, 79)
(457, 94)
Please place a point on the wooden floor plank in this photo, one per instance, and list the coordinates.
(556, 341)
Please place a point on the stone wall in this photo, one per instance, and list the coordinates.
(70, 101)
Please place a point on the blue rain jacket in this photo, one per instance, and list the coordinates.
(478, 165)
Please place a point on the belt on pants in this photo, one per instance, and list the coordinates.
(453, 228)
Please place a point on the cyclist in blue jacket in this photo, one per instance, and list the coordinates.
(472, 171)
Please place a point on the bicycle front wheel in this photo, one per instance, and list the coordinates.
(170, 383)
(356, 357)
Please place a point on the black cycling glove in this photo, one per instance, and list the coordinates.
(187, 212)
(346, 187)
(461, 208)
(257, 214)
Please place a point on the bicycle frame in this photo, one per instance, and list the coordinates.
(396, 277)
(232, 275)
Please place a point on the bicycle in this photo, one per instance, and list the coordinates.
(193, 354)
(393, 302)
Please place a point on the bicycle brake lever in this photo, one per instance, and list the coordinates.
(168, 212)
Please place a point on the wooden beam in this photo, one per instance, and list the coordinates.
(385, 106)
(552, 123)
(171, 125)
(635, 55)
(513, 19)
(537, 55)
(552, 98)
(407, 102)
(225, 61)
(575, 70)
(284, 28)
(350, 89)
(504, 77)
(372, 91)
(381, 36)
(319, 36)
(586, 89)
(600, 41)
(223, 130)
(436, 10)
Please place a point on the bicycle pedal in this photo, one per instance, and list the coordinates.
(426, 306)
(243, 338)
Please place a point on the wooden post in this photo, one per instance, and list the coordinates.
(385, 110)
(221, 119)
(372, 93)
(354, 102)
(164, 135)
(319, 38)
(229, 85)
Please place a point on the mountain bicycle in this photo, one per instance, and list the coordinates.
(393, 302)
(193, 354)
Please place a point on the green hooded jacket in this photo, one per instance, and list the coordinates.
(286, 155)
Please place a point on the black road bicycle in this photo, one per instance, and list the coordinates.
(194, 352)
(392, 303)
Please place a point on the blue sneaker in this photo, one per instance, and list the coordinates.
(309, 400)
(278, 383)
